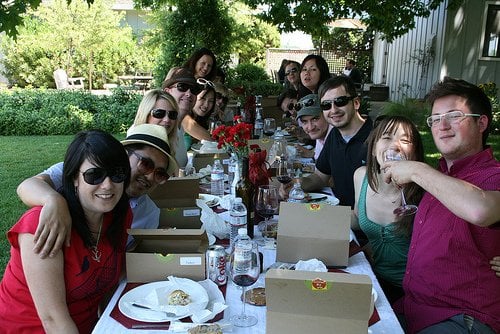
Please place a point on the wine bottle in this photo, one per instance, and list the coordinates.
(245, 190)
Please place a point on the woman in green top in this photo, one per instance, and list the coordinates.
(388, 235)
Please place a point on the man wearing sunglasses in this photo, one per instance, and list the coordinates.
(151, 164)
(345, 149)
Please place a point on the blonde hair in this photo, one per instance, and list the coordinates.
(148, 103)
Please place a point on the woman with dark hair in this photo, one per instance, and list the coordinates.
(61, 294)
(196, 122)
(203, 64)
(292, 75)
(314, 71)
(388, 235)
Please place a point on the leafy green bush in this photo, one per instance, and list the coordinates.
(54, 112)
(250, 79)
(490, 89)
(414, 109)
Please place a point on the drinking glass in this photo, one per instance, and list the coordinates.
(405, 209)
(244, 268)
(283, 171)
(269, 126)
(267, 205)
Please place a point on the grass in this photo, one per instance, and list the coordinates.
(23, 157)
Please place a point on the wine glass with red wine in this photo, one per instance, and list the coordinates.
(267, 205)
(269, 126)
(283, 171)
(244, 268)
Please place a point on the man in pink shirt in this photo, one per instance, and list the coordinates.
(449, 285)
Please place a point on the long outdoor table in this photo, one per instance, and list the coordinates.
(358, 264)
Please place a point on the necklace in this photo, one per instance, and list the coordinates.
(96, 253)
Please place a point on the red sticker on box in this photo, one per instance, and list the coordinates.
(314, 206)
(318, 284)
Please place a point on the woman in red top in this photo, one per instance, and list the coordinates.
(61, 294)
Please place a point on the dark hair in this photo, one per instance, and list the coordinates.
(477, 101)
(287, 93)
(103, 150)
(191, 62)
(221, 74)
(335, 82)
(203, 120)
(352, 62)
(413, 192)
(323, 70)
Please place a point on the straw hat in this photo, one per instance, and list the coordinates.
(152, 135)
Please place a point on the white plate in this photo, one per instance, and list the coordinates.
(332, 200)
(196, 147)
(196, 292)
(210, 200)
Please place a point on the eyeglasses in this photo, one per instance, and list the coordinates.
(97, 175)
(290, 106)
(204, 82)
(306, 103)
(146, 166)
(184, 87)
(160, 113)
(452, 117)
(338, 102)
(292, 70)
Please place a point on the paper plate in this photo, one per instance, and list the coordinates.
(210, 200)
(332, 200)
(196, 292)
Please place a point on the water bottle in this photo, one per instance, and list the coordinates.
(238, 221)
(242, 235)
(189, 169)
(258, 127)
(217, 179)
(232, 165)
(296, 195)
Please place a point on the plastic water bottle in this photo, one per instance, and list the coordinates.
(238, 221)
(258, 127)
(217, 179)
(296, 195)
(242, 235)
(232, 165)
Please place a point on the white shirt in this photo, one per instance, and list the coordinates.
(145, 212)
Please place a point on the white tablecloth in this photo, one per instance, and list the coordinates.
(358, 264)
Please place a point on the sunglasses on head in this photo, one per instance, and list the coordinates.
(97, 175)
(146, 166)
(204, 82)
(302, 104)
(160, 113)
(184, 87)
(293, 70)
(338, 102)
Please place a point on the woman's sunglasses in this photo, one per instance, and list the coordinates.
(97, 175)
(160, 113)
(338, 102)
(290, 106)
(184, 87)
(204, 82)
(293, 70)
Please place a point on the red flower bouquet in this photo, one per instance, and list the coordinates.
(234, 139)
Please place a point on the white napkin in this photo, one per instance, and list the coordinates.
(212, 222)
(216, 303)
(311, 265)
(210, 147)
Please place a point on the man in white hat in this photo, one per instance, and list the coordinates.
(151, 164)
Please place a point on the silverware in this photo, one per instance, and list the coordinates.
(151, 326)
(168, 314)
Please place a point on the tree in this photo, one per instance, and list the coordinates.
(85, 41)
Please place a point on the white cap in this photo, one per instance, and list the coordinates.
(242, 231)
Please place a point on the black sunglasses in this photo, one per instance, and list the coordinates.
(146, 166)
(290, 106)
(97, 175)
(184, 87)
(338, 102)
(302, 104)
(160, 113)
(293, 70)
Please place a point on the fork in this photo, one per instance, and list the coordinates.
(168, 314)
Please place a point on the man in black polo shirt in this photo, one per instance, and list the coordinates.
(345, 148)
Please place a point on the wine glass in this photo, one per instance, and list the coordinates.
(244, 268)
(405, 209)
(283, 171)
(267, 205)
(269, 126)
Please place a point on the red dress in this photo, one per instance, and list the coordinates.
(86, 279)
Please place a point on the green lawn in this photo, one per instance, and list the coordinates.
(22, 157)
